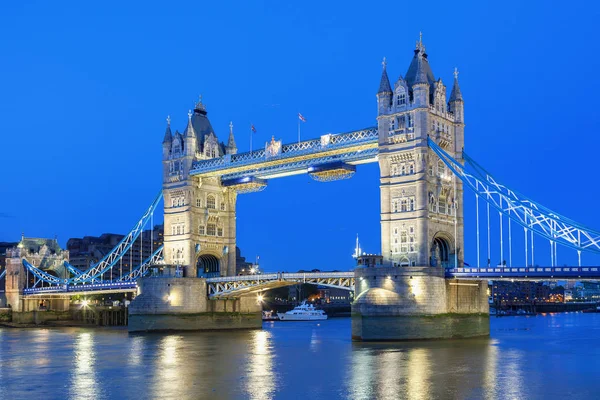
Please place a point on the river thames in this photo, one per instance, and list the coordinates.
(544, 356)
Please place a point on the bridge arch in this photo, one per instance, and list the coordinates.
(441, 250)
(208, 265)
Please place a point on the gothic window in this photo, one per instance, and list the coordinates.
(411, 230)
(394, 169)
(213, 153)
(401, 122)
(395, 240)
(403, 169)
(403, 205)
(442, 206)
(201, 230)
(210, 202)
(222, 206)
(410, 120)
(430, 170)
(411, 169)
(403, 242)
(395, 231)
(401, 99)
(441, 168)
(198, 202)
(171, 167)
(211, 229)
(395, 206)
(411, 204)
(219, 231)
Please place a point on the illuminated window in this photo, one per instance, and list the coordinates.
(219, 231)
(201, 230)
(198, 202)
(211, 229)
(222, 206)
(210, 202)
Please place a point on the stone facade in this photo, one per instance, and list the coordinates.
(44, 254)
(182, 304)
(421, 201)
(199, 213)
(421, 218)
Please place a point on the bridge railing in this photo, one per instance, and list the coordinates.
(324, 143)
(524, 269)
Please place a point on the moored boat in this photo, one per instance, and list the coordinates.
(303, 312)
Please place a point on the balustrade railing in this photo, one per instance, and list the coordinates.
(324, 143)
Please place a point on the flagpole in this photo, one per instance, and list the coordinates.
(250, 138)
(298, 127)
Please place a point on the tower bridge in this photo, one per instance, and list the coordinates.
(419, 145)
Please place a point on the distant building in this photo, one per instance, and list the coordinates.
(329, 295)
(242, 267)
(91, 249)
(504, 292)
(3, 247)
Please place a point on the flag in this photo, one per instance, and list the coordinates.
(301, 117)
(252, 128)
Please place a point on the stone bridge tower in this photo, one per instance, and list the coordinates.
(44, 254)
(199, 212)
(421, 200)
(421, 218)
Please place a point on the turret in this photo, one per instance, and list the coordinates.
(384, 94)
(456, 103)
(190, 137)
(231, 148)
(168, 140)
(419, 76)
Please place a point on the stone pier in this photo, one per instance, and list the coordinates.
(415, 303)
(179, 304)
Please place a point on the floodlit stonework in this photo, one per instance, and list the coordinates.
(199, 213)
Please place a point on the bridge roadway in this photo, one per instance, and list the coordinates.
(235, 286)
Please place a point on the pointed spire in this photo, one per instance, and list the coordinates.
(200, 108)
(168, 136)
(231, 142)
(421, 75)
(384, 85)
(455, 94)
(189, 130)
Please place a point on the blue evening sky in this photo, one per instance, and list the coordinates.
(85, 88)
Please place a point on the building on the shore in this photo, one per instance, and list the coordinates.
(506, 292)
(91, 249)
(3, 247)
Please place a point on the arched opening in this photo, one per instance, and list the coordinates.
(208, 266)
(440, 252)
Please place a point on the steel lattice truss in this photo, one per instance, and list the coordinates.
(354, 146)
(520, 209)
(142, 270)
(235, 286)
(95, 271)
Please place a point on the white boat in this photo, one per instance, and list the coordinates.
(303, 312)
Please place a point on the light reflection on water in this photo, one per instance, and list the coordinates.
(83, 372)
(526, 358)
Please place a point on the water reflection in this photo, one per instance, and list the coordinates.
(170, 367)
(136, 350)
(260, 383)
(419, 374)
(527, 358)
(84, 383)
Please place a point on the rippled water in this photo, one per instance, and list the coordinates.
(549, 356)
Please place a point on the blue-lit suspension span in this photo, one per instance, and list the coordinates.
(249, 172)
